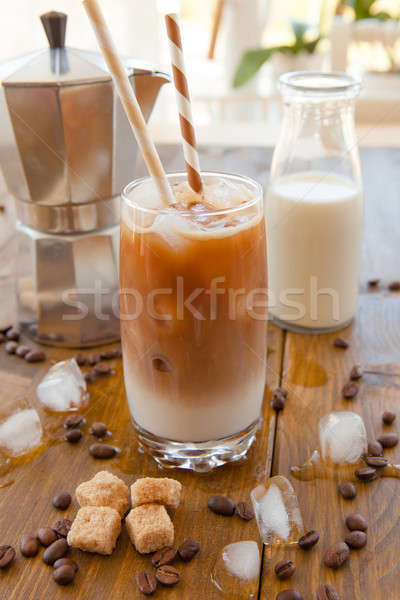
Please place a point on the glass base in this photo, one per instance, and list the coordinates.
(197, 456)
(310, 330)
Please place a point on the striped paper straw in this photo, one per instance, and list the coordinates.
(184, 106)
(129, 101)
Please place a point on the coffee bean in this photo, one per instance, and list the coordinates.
(308, 540)
(74, 420)
(376, 461)
(2, 338)
(62, 501)
(103, 368)
(13, 334)
(62, 527)
(66, 561)
(167, 575)
(388, 417)
(375, 448)
(222, 505)
(336, 555)
(80, 359)
(388, 440)
(165, 556)
(188, 550)
(279, 399)
(356, 372)
(285, 569)
(46, 536)
(350, 390)
(394, 286)
(35, 356)
(356, 539)
(11, 347)
(73, 436)
(245, 511)
(94, 358)
(90, 376)
(327, 592)
(348, 490)
(64, 575)
(110, 354)
(340, 343)
(56, 550)
(102, 451)
(289, 595)
(356, 522)
(373, 282)
(7, 555)
(146, 582)
(22, 350)
(366, 474)
(29, 546)
(98, 429)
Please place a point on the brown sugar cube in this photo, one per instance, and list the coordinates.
(156, 489)
(104, 489)
(150, 528)
(95, 529)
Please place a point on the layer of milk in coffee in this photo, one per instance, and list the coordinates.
(194, 351)
(314, 233)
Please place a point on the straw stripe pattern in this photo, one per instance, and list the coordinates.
(184, 105)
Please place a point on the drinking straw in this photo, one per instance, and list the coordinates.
(215, 28)
(184, 105)
(129, 101)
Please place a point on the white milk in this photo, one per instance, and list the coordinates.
(314, 224)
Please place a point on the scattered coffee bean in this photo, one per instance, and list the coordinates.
(350, 390)
(340, 343)
(356, 522)
(29, 546)
(373, 282)
(245, 511)
(62, 527)
(165, 556)
(62, 501)
(98, 429)
(13, 334)
(46, 536)
(2, 338)
(103, 368)
(160, 363)
(356, 372)
(348, 490)
(327, 592)
(366, 474)
(188, 550)
(388, 440)
(73, 436)
(222, 505)
(394, 286)
(285, 569)
(110, 354)
(375, 448)
(66, 561)
(7, 555)
(167, 575)
(74, 420)
(94, 358)
(80, 359)
(11, 347)
(56, 550)
(90, 376)
(376, 461)
(22, 351)
(102, 451)
(146, 582)
(35, 356)
(356, 539)
(279, 399)
(388, 417)
(64, 575)
(308, 540)
(336, 555)
(289, 595)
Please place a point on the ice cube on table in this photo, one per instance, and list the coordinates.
(63, 387)
(20, 432)
(277, 511)
(342, 437)
(236, 571)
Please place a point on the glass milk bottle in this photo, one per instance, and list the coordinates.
(314, 206)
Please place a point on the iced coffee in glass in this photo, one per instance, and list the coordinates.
(193, 312)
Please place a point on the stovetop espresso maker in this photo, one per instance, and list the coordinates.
(66, 151)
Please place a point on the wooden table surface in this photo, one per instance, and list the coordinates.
(313, 372)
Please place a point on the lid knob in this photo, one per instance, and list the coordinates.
(55, 24)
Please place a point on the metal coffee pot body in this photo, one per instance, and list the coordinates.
(66, 151)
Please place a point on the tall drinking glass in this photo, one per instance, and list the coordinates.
(193, 318)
